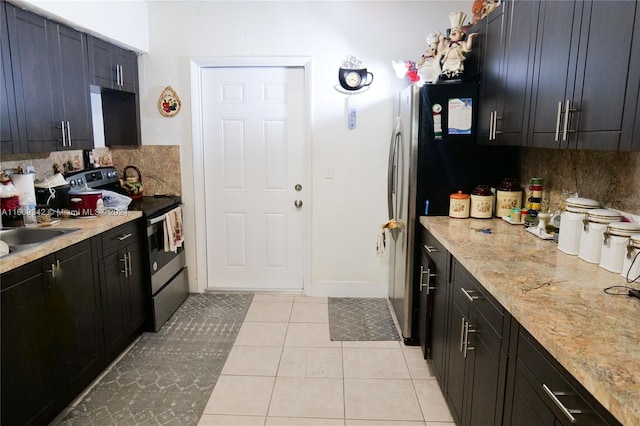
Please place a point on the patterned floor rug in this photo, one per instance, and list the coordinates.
(361, 319)
(167, 377)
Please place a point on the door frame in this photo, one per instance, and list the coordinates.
(197, 64)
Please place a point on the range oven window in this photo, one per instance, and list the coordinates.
(155, 237)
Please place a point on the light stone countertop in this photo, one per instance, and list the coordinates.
(87, 228)
(560, 300)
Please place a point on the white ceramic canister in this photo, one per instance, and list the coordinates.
(631, 262)
(459, 205)
(481, 202)
(571, 223)
(593, 233)
(614, 244)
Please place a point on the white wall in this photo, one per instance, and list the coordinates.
(349, 209)
(124, 23)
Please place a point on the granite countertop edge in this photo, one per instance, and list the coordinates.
(87, 228)
(560, 300)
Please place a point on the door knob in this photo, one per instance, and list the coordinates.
(297, 203)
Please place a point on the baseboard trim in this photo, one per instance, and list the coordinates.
(349, 289)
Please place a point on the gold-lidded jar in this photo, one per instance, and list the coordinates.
(459, 205)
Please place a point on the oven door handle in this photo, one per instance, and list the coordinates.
(156, 219)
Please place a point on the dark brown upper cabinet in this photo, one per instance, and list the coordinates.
(560, 74)
(51, 80)
(583, 90)
(506, 41)
(113, 67)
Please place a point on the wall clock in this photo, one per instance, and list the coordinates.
(354, 79)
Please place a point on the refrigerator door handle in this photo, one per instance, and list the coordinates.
(392, 170)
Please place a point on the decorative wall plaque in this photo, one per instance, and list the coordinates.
(169, 102)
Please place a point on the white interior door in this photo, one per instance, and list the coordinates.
(253, 121)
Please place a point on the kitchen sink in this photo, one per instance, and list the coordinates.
(23, 238)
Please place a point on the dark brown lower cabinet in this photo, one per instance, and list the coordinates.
(434, 295)
(52, 344)
(543, 392)
(477, 353)
(64, 318)
(122, 285)
(490, 369)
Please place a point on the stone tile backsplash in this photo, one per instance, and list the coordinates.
(159, 165)
(613, 178)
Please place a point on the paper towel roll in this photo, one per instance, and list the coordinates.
(24, 185)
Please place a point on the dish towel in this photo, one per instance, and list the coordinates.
(173, 230)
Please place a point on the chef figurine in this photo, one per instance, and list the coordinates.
(429, 64)
(453, 52)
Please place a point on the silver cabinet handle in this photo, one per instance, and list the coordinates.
(491, 125)
(428, 283)
(124, 237)
(64, 135)
(495, 125)
(554, 397)
(430, 249)
(468, 294)
(467, 330)
(297, 203)
(567, 110)
(462, 327)
(126, 266)
(130, 268)
(69, 133)
(54, 266)
(558, 121)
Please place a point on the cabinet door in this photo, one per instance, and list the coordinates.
(127, 61)
(112, 67)
(39, 115)
(512, 117)
(70, 47)
(76, 307)
(557, 41)
(456, 361)
(29, 374)
(492, 40)
(9, 141)
(100, 68)
(137, 290)
(113, 288)
(528, 408)
(486, 382)
(601, 76)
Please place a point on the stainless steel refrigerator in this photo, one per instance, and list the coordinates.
(432, 154)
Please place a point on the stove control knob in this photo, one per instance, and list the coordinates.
(72, 182)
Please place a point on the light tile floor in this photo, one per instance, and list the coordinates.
(284, 370)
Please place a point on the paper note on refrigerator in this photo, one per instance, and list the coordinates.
(460, 116)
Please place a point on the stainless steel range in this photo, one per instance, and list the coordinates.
(166, 270)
